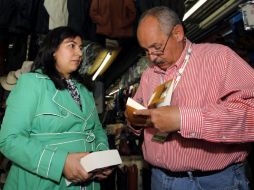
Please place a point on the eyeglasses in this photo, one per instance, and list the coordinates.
(159, 52)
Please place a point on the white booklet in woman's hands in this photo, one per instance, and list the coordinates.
(100, 159)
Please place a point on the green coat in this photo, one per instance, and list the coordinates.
(41, 125)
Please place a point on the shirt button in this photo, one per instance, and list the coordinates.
(192, 134)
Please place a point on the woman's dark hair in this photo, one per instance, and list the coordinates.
(45, 60)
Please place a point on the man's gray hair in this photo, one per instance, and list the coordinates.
(167, 18)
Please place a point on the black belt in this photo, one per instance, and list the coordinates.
(188, 174)
(197, 173)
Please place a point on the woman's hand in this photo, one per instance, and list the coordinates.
(73, 171)
(102, 174)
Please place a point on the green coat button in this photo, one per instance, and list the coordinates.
(64, 112)
(90, 137)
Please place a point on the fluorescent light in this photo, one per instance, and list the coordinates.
(193, 9)
(113, 92)
(103, 64)
(219, 13)
(227, 33)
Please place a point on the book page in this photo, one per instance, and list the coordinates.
(132, 103)
(132, 106)
(161, 95)
(167, 94)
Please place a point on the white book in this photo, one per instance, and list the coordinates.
(100, 159)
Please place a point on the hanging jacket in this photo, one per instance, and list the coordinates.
(113, 18)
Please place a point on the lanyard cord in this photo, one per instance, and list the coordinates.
(171, 88)
(181, 70)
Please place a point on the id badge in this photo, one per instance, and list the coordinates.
(160, 137)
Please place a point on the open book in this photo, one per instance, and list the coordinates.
(160, 97)
(131, 106)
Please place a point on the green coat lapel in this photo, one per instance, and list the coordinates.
(65, 101)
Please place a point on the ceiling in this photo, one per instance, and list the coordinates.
(213, 16)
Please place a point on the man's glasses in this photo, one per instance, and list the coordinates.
(158, 52)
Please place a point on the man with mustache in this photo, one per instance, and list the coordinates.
(209, 120)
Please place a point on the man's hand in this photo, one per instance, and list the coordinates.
(165, 119)
(73, 171)
(137, 126)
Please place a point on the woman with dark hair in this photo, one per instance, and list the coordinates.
(51, 121)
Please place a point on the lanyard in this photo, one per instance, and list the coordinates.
(161, 136)
(179, 74)
(181, 70)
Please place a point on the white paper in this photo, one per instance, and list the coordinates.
(100, 159)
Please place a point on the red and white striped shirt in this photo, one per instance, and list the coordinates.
(216, 100)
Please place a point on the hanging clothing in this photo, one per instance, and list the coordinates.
(79, 18)
(113, 18)
(58, 13)
(41, 25)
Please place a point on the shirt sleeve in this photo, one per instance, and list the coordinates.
(231, 118)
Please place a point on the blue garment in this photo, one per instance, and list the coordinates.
(231, 178)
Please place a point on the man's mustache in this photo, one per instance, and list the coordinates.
(158, 61)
